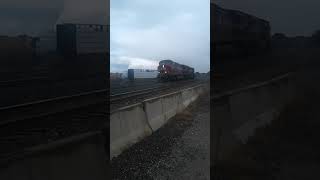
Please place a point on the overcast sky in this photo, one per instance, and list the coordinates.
(292, 17)
(37, 16)
(146, 31)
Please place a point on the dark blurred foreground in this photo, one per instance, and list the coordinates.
(288, 148)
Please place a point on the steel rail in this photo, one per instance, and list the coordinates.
(131, 94)
(155, 85)
(124, 90)
(48, 79)
(50, 106)
(41, 108)
(122, 96)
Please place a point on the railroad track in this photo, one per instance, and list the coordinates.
(43, 79)
(131, 94)
(140, 94)
(15, 138)
(118, 87)
(40, 122)
(122, 90)
(47, 107)
(20, 91)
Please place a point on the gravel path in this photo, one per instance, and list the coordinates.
(179, 150)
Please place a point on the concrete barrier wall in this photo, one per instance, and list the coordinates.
(186, 97)
(130, 124)
(191, 94)
(82, 157)
(248, 103)
(160, 109)
(236, 114)
(247, 129)
(170, 105)
(127, 126)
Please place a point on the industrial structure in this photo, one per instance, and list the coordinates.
(76, 39)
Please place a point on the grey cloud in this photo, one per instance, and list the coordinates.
(293, 17)
(37, 16)
(30, 21)
(31, 3)
(85, 12)
(177, 30)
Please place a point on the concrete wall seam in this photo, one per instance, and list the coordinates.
(144, 110)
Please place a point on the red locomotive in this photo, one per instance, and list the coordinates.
(170, 70)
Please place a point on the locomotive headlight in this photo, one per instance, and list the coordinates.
(165, 72)
(163, 66)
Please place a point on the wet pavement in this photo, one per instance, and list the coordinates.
(179, 150)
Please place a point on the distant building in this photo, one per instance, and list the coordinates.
(15, 45)
(124, 74)
(45, 43)
(76, 39)
(114, 76)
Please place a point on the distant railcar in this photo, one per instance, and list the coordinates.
(235, 32)
(142, 74)
(170, 70)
